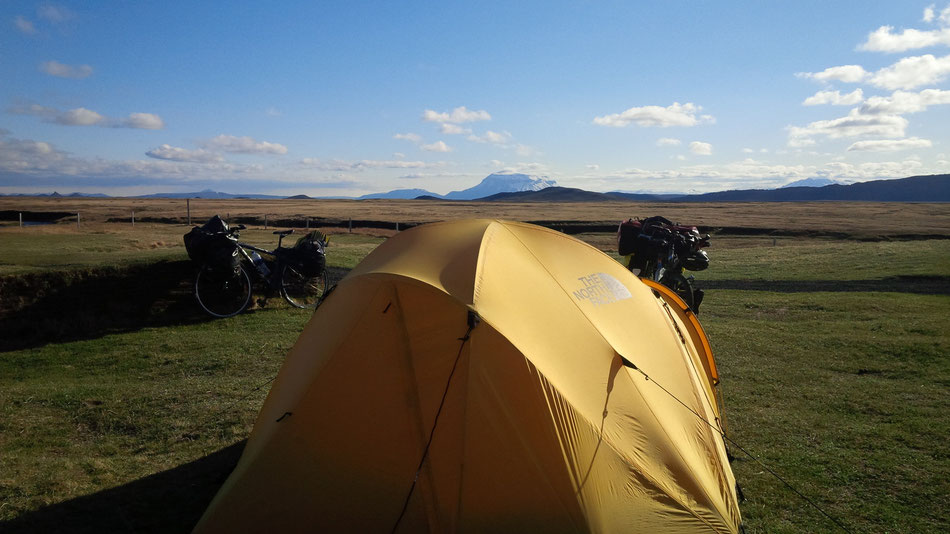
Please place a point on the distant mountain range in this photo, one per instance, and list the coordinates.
(499, 182)
(209, 193)
(812, 182)
(934, 188)
(516, 187)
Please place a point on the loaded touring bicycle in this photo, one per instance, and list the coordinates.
(229, 269)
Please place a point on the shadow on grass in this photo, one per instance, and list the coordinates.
(44, 307)
(921, 285)
(170, 501)
(60, 306)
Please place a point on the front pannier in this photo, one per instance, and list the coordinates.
(211, 244)
(308, 255)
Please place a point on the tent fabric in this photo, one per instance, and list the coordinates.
(542, 426)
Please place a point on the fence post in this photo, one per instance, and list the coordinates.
(78, 222)
(351, 225)
(397, 226)
(188, 207)
(21, 219)
(265, 221)
(133, 218)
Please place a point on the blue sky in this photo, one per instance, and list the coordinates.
(348, 98)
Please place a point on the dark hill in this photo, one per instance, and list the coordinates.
(299, 197)
(933, 188)
(562, 194)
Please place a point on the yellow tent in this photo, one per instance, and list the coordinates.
(488, 376)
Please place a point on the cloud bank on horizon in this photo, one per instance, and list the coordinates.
(99, 100)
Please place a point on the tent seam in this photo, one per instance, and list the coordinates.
(617, 353)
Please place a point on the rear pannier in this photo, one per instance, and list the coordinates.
(212, 244)
(308, 255)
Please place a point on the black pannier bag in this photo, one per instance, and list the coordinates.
(643, 239)
(308, 255)
(627, 235)
(210, 243)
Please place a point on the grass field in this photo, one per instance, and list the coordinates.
(834, 356)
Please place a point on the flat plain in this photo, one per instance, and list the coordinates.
(828, 321)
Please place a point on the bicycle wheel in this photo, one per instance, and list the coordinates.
(302, 291)
(222, 292)
(681, 286)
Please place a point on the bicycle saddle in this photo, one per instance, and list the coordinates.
(284, 232)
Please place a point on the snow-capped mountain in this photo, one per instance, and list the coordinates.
(811, 182)
(400, 194)
(503, 182)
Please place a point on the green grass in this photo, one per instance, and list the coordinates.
(33, 249)
(824, 259)
(844, 392)
(82, 416)
(846, 395)
(62, 247)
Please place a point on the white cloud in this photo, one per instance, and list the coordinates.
(54, 13)
(944, 17)
(458, 115)
(884, 40)
(700, 148)
(889, 145)
(750, 173)
(668, 141)
(244, 145)
(911, 72)
(24, 25)
(853, 125)
(593, 167)
(80, 117)
(361, 165)
(525, 167)
(28, 156)
(273, 112)
(36, 110)
(438, 146)
(448, 128)
(398, 155)
(143, 121)
(842, 73)
(526, 151)
(171, 153)
(674, 115)
(494, 138)
(61, 70)
(27, 162)
(415, 138)
(901, 102)
(928, 14)
(835, 98)
(88, 117)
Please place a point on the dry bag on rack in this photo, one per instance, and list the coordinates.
(309, 255)
(211, 244)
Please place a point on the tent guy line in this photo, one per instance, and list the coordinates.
(518, 441)
(473, 321)
(631, 365)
